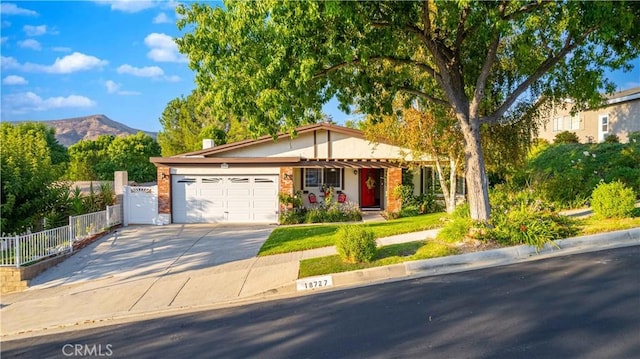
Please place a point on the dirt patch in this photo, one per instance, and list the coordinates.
(474, 245)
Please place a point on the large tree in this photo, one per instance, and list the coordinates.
(276, 62)
(28, 171)
(98, 159)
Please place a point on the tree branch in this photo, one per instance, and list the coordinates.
(424, 95)
(461, 33)
(527, 8)
(422, 66)
(481, 82)
(544, 67)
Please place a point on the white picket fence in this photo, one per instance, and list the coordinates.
(20, 250)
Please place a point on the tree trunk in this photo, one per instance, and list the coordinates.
(453, 171)
(475, 171)
(443, 186)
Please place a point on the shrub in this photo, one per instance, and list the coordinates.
(634, 137)
(613, 200)
(459, 225)
(612, 138)
(356, 244)
(566, 137)
(315, 215)
(521, 217)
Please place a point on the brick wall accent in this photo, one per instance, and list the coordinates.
(164, 190)
(286, 182)
(394, 179)
(17, 279)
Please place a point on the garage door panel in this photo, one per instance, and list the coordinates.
(233, 198)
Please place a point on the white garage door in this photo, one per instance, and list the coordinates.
(241, 198)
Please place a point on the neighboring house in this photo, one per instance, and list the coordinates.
(240, 181)
(619, 115)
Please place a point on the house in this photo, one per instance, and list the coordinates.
(619, 116)
(241, 181)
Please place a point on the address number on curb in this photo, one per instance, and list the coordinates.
(314, 282)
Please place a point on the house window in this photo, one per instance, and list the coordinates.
(604, 123)
(557, 124)
(316, 177)
(575, 122)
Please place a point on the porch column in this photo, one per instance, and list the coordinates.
(286, 183)
(394, 179)
(164, 195)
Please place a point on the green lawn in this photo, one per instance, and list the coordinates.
(392, 254)
(297, 238)
(593, 225)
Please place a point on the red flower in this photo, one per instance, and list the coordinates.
(523, 228)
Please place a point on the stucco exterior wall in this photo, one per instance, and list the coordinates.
(623, 118)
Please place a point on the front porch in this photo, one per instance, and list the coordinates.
(368, 187)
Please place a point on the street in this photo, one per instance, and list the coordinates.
(579, 306)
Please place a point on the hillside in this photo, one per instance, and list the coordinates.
(72, 130)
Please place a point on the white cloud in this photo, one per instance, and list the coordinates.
(130, 6)
(13, 9)
(163, 48)
(14, 80)
(162, 18)
(26, 102)
(111, 86)
(7, 63)
(30, 44)
(61, 49)
(173, 78)
(149, 71)
(74, 63)
(71, 63)
(35, 30)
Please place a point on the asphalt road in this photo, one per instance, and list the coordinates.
(580, 306)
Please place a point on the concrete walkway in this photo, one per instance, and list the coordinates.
(194, 281)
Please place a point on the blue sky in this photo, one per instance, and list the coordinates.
(64, 59)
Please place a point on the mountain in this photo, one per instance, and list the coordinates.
(72, 130)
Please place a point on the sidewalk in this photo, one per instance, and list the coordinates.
(40, 311)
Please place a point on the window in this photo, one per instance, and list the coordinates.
(575, 122)
(557, 124)
(316, 177)
(604, 123)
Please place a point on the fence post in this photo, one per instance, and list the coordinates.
(71, 233)
(108, 218)
(16, 254)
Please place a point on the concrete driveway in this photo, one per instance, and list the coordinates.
(141, 251)
(143, 269)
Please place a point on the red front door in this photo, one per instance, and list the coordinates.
(368, 187)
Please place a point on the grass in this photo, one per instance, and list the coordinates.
(593, 225)
(297, 238)
(392, 254)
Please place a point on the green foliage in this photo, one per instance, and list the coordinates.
(458, 226)
(98, 159)
(612, 138)
(356, 244)
(413, 205)
(185, 123)
(613, 200)
(28, 173)
(566, 137)
(522, 218)
(566, 174)
(634, 137)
